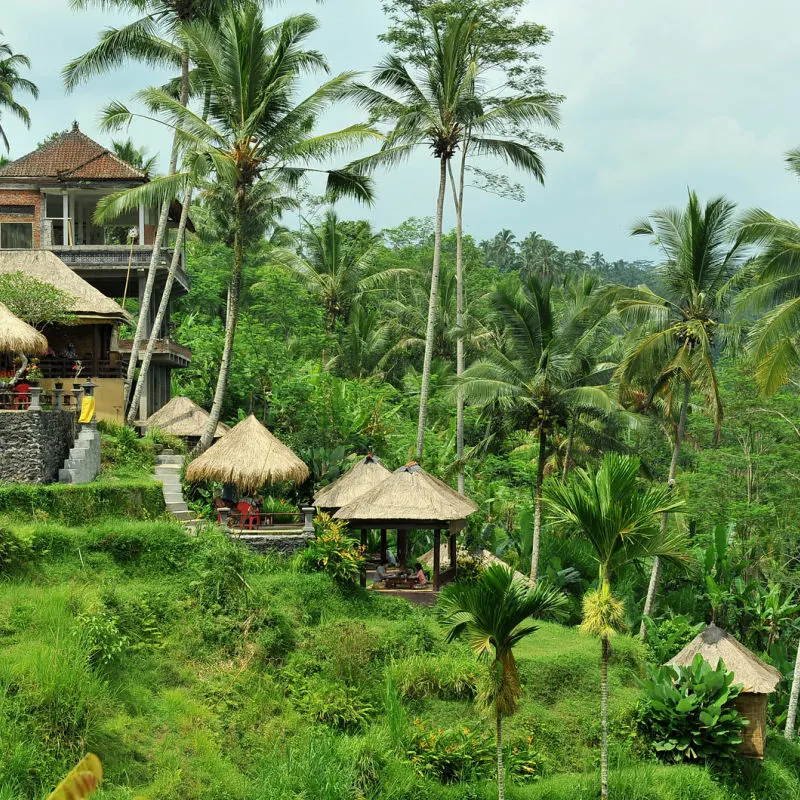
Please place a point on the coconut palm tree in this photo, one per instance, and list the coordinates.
(135, 156)
(155, 38)
(255, 128)
(551, 370)
(11, 83)
(335, 267)
(495, 614)
(620, 518)
(791, 714)
(678, 336)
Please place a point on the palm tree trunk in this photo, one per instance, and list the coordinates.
(568, 452)
(432, 301)
(501, 772)
(458, 198)
(791, 715)
(655, 573)
(604, 654)
(537, 506)
(234, 290)
(162, 309)
(152, 270)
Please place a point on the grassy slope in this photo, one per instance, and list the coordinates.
(201, 703)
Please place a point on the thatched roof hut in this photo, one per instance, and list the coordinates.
(16, 336)
(361, 478)
(184, 418)
(88, 304)
(409, 495)
(249, 456)
(757, 678)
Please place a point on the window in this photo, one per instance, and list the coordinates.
(17, 211)
(16, 235)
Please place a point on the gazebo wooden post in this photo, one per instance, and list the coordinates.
(437, 543)
(401, 548)
(383, 544)
(453, 546)
(363, 576)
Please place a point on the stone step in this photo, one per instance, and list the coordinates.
(173, 497)
(183, 516)
(163, 460)
(168, 469)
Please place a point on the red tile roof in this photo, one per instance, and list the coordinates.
(72, 157)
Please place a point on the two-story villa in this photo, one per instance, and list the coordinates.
(47, 203)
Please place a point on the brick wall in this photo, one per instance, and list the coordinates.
(23, 197)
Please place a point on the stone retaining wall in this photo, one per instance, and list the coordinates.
(286, 544)
(34, 444)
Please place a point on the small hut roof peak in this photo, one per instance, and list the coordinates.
(182, 417)
(363, 476)
(716, 645)
(249, 456)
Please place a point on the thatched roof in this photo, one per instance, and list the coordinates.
(365, 475)
(182, 417)
(409, 494)
(249, 456)
(16, 336)
(88, 304)
(486, 558)
(748, 669)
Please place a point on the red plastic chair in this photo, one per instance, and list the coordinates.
(248, 515)
(23, 396)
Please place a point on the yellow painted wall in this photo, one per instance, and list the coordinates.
(109, 393)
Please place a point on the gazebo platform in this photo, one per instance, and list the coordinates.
(421, 597)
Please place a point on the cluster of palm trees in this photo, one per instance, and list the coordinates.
(12, 83)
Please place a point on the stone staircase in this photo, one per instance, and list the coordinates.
(83, 462)
(168, 474)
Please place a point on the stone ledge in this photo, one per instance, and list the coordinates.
(277, 543)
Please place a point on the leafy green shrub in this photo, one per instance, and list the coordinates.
(667, 637)
(99, 628)
(412, 636)
(453, 755)
(332, 703)
(164, 545)
(446, 677)
(155, 437)
(688, 713)
(333, 551)
(523, 761)
(16, 551)
(79, 504)
(121, 447)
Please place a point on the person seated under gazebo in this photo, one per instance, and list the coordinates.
(420, 576)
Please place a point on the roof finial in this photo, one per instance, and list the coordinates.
(75, 125)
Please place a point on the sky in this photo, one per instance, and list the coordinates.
(661, 96)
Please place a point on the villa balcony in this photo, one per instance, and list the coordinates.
(99, 262)
(166, 351)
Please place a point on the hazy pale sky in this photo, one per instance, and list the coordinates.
(661, 95)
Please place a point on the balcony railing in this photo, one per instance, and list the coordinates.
(62, 368)
(170, 350)
(112, 256)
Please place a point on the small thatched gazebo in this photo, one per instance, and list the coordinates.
(249, 456)
(16, 336)
(411, 499)
(757, 679)
(182, 417)
(361, 478)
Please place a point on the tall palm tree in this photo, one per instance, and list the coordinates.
(11, 83)
(619, 517)
(430, 110)
(135, 156)
(551, 369)
(794, 696)
(495, 614)
(255, 129)
(677, 336)
(335, 267)
(156, 38)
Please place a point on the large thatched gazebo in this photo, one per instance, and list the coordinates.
(16, 336)
(249, 456)
(361, 478)
(182, 417)
(411, 499)
(757, 679)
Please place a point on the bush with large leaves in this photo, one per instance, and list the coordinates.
(689, 712)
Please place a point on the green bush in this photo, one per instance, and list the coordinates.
(333, 551)
(332, 703)
(16, 551)
(667, 637)
(688, 713)
(99, 629)
(156, 545)
(79, 504)
(447, 677)
(453, 755)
